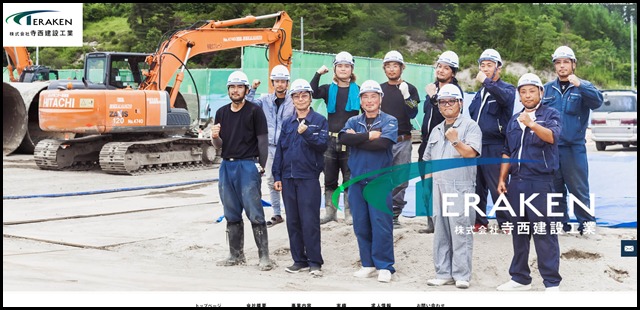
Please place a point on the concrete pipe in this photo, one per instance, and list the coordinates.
(14, 119)
(23, 97)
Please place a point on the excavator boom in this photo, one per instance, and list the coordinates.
(145, 129)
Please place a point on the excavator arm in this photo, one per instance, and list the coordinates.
(19, 59)
(174, 53)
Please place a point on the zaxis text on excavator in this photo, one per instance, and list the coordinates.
(138, 124)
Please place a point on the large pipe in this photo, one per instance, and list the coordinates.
(21, 122)
(14, 119)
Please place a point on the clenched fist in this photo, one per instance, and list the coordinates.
(451, 134)
(323, 70)
(574, 80)
(302, 127)
(215, 131)
(255, 84)
(481, 77)
(431, 90)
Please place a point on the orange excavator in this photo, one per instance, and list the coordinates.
(19, 117)
(132, 121)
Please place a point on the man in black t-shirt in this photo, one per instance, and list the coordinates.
(240, 129)
(401, 101)
(343, 101)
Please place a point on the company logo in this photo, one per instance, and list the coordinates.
(50, 24)
(32, 21)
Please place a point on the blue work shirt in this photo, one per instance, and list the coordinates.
(493, 103)
(574, 106)
(301, 156)
(363, 161)
(526, 145)
(275, 116)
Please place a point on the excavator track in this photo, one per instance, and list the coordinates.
(157, 156)
(74, 155)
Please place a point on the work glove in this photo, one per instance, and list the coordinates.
(404, 89)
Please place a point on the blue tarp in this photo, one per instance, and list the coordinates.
(613, 179)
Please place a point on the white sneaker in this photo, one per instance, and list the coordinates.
(365, 272)
(462, 284)
(514, 286)
(440, 282)
(384, 275)
(552, 289)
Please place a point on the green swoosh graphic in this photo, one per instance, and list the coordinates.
(376, 191)
(19, 16)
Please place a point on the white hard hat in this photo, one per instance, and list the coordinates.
(530, 79)
(300, 85)
(238, 78)
(449, 58)
(563, 52)
(393, 56)
(449, 91)
(280, 72)
(491, 54)
(343, 58)
(371, 86)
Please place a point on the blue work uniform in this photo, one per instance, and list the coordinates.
(275, 117)
(491, 108)
(452, 251)
(298, 162)
(573, 175)
(534, 176)
(373, 228)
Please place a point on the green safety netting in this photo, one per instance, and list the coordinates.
(211, 83)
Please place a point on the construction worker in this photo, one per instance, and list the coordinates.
(341, 97)
(297, 166)
(240, 129)
(457, 136)
(370, 138)
(401, 101)
(532, 136)
(277, 107)
(491, 108)
(446, 69)
(573, 97)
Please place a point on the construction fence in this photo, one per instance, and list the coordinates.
(210, 84)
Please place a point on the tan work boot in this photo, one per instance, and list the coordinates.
(330, 210)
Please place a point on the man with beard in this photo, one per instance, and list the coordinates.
(401, 101)
(240, 129)
(573, 97)
(277, 107)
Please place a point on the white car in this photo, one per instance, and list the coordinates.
(616, 121)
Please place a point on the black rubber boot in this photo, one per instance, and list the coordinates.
(235, 237)
(262, 241)
(430, 228)
(348, 219)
